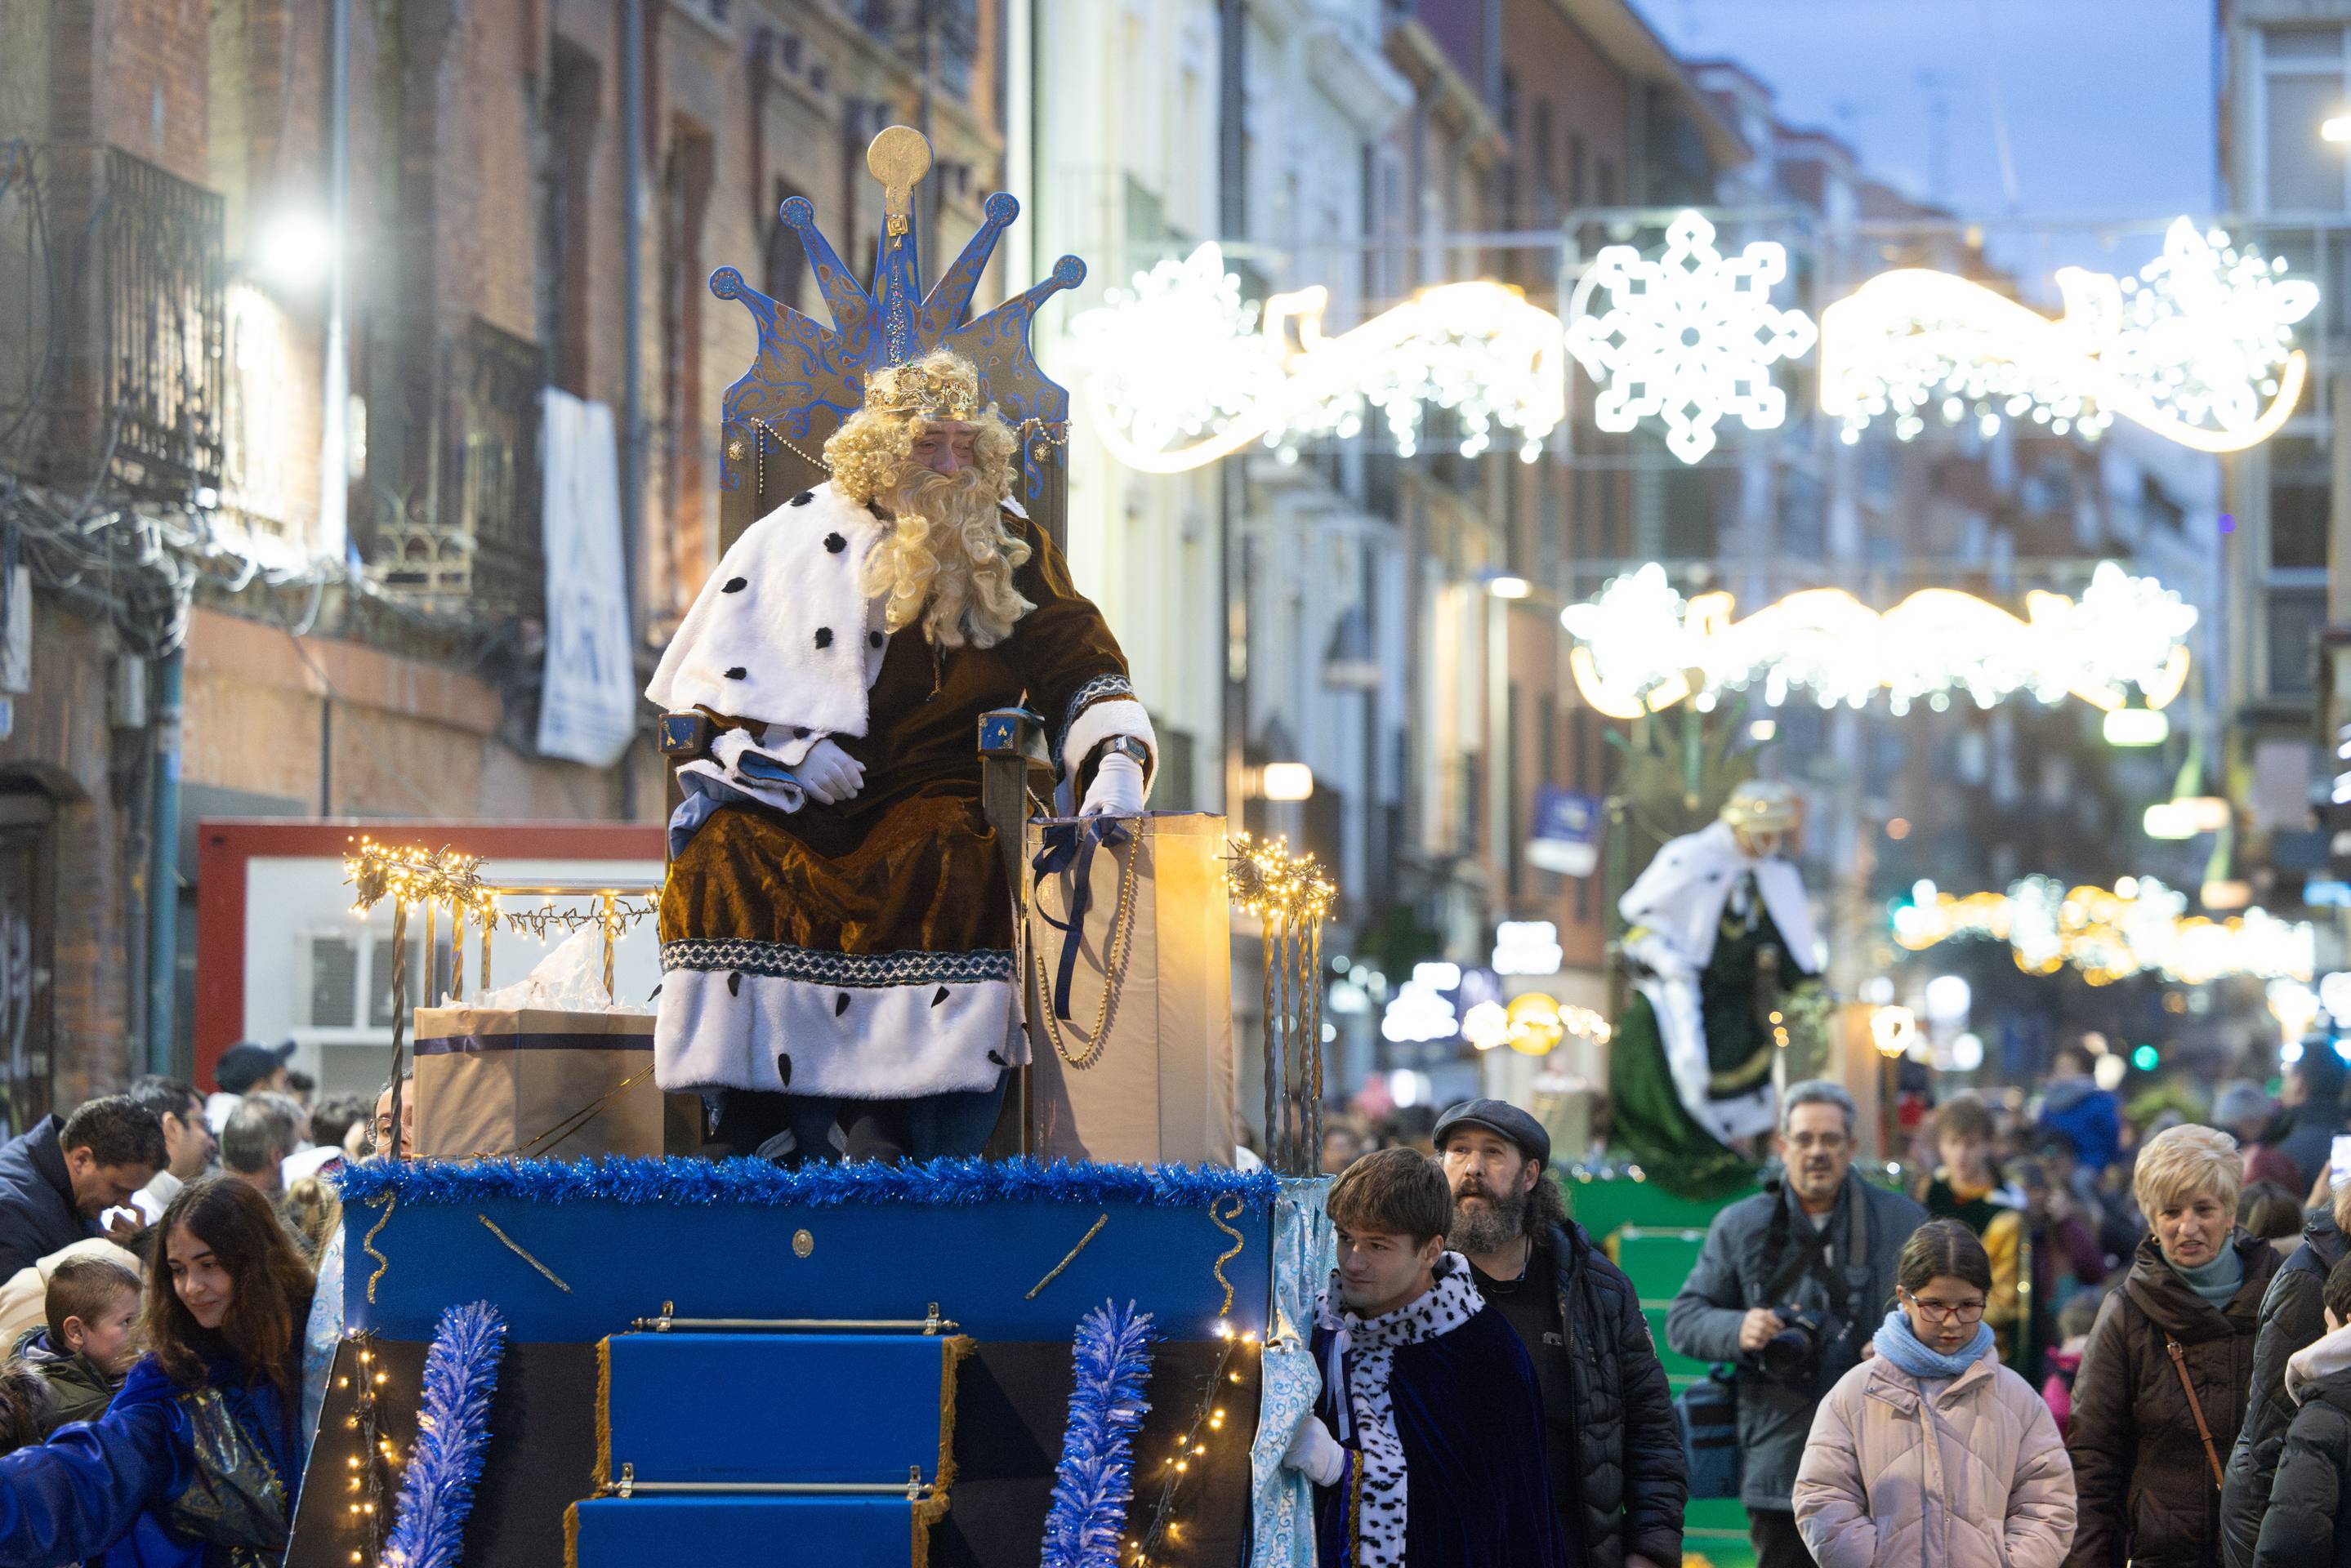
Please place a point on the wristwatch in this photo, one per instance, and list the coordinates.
(1127, 746)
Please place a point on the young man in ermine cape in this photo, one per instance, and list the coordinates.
(837, 934)
(1426, 1447)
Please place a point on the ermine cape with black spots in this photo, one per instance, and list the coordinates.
(1438, 1409)
(862, 949)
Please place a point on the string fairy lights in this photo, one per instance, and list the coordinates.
(1182, 371)
(1290, 897)
(2138, 926)
(1642, 647)
(1193, 1450)
(2197, 348)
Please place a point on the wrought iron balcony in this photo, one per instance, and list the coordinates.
(163, 313)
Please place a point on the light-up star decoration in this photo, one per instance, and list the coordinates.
(1641, 648)
(1180, 371)
(808, 378)
(2197, 348)
(1689, 337)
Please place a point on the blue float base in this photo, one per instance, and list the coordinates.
(696, 1532)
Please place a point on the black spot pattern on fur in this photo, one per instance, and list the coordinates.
(784, 1066)
(825, 636)
(735, 984)
(799, 735)
(840, 1004)
(738, 673)
(804, 497)
(939, 996)
(735, 585)
(835, 543)
(876, 638)
(996, 1059)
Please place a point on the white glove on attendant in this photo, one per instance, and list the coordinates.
(1117, 789)
(829, 774)
(1314, 1453)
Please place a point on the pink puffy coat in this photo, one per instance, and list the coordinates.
(1975, 1477)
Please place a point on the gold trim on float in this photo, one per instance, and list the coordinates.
(603, 1412)
(1055, 1272)
(669, 1322)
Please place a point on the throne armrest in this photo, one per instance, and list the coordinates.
(683, 737)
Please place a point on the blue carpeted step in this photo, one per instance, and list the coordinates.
(716, 1532)
(829, 1408)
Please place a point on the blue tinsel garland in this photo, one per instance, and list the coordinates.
(1111, 1357)
(701, 1181)
(452, 1432)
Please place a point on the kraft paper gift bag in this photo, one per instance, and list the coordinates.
(535, 1082)
(1154, 935)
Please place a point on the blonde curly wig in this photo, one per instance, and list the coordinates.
(948, 560)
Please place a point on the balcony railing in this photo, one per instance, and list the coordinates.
(498, 472)
(163, 277)
(482, 549)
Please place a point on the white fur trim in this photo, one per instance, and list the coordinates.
(891, 1042)
(793, 590)
(1096, 724)
(1365, 1347)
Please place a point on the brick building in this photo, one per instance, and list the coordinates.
(191, 630)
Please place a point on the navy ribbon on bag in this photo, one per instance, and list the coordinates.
(1069, 846)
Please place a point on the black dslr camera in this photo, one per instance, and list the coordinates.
(1792, 1354)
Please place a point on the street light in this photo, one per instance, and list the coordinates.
(2336, 129)
(1286, 780)
(1510, 587)
(2136, 727)
(296, 249)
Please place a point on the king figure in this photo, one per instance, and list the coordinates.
(837, 934)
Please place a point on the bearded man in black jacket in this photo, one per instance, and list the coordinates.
(1614, 1447)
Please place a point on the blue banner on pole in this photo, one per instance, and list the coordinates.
(1566, 836)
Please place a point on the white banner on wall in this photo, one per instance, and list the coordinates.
(588, 699)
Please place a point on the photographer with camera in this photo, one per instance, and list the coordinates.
(1789, 1287)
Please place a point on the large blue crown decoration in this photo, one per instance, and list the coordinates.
(809, 379)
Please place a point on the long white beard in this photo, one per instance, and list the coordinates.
(948, 560)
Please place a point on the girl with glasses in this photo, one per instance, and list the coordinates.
(1931, 1452)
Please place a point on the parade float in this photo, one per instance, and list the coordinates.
(565, 1337)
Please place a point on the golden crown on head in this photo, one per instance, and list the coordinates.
(941, 385)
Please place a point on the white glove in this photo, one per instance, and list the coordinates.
(829, 774)
(1117, 789)
(1314, 1453)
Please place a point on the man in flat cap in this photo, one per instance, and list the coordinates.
(1611, 1445)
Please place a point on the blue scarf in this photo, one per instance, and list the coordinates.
(1899, 1345)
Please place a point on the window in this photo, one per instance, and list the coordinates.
(2300, 84)
(2292, 620)
(2298, 503)
(1575, 170)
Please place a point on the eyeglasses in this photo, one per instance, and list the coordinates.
(1965, 1311)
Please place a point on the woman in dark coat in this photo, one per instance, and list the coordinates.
(197, 1462)
(2147, 1458)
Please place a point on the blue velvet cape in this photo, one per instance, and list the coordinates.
(97, 1489)
(1469, 1416)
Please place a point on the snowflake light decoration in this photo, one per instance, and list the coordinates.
(2198, 348)
(1689, 337)
(1642, 647)
(1181, 371)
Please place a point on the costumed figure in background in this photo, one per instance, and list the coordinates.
(837, 933)
(1719, 934)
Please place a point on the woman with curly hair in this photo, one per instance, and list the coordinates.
(197, 1462)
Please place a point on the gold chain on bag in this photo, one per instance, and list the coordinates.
(1121, 941)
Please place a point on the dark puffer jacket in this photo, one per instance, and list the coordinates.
(2146, 1492)
(2291, 1317)
(1633, 1484)
(2303, 1527)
